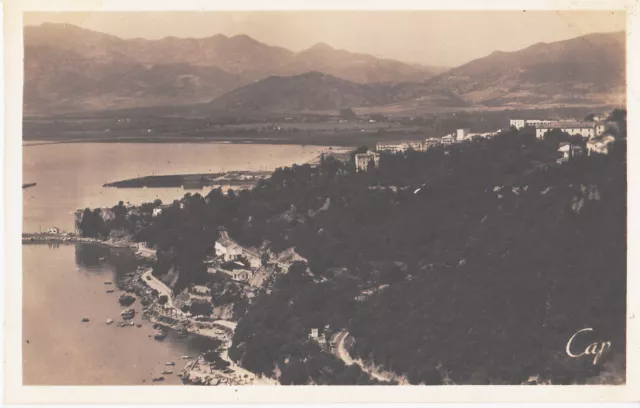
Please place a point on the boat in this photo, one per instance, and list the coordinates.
(109, 321)
(102, 259)
(110, 291)
(170, 363)
(186, 357)
(155, 379)
(167, 372)
(85, 319)
(28, 185)
(108, 283)
(128, 314)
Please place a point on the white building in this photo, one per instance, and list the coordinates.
(516, 123)
(226, 248)
(461, 134)
(600, 145)
(157, 211)
(392, 147)
(431, 142)
(448, 139)
(363, 160)
(584, 129)
(53, 230)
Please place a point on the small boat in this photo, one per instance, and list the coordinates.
(186, 357)
(109, 291)
(155, 379)
(27, 185)
(108, 283)
(170, 363)
(109, 321)
(102, 259)
(85, 319)
(167, 372)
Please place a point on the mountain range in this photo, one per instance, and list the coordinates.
(68, 69)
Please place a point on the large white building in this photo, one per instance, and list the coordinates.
(226, 248)
(585, 129)
(461, 134)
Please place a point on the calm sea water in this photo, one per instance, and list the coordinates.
(65, 283)
(70, 176)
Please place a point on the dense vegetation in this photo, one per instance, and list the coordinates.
(483, 258)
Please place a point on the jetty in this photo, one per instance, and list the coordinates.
(192, 181)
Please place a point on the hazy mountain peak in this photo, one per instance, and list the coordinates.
(321, 47)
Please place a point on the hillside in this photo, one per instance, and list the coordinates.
(586, 68)
(61, 80)
(210, 66)
(473, 263)
(309, 91)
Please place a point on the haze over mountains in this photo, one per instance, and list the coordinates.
(68, 68)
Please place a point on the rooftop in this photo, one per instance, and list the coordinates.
(567, 125)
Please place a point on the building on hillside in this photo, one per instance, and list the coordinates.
(447, 139)
(226, 248)
(239, 275)
(584, 129)
(157, 211)
(516, 123)
(53, 230)
(392, 147)
(568, 150)
(363, 160)
(600, 145)
(461, 134)
(431, 142)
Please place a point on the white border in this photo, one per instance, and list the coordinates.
(16, 393)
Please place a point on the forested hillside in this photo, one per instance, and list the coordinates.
(473, 263)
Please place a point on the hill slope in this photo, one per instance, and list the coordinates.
(580, 69)
(309, 91)
(216, 64)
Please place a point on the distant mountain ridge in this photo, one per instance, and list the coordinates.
(581, 68)
(217, 63)
(68, 68)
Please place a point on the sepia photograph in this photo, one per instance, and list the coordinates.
(236, 198)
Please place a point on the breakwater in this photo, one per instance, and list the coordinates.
(242, 178)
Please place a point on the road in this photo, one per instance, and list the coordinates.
(341, 352)
(163, 289)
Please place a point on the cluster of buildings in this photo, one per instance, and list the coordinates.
(228, 250)
(587, 129)
(599, 140)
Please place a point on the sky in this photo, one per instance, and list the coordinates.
(447, 38)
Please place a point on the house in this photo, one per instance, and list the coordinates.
(447, 140)
(157, 211)
(584, 129)
(461, 134)
(363, 160)
(600, 145)
(53, 230)
(239, 275)
(313, 334)
(392, 147)
(226, 248)
(516, 123)
(431, 142)
(568, 150)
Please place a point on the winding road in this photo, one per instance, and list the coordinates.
(341, 352)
